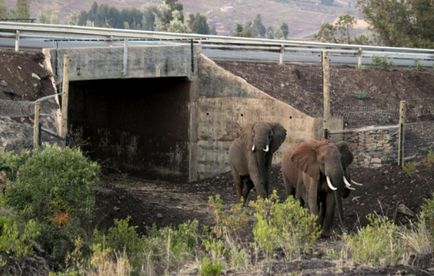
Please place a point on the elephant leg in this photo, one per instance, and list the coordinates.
(238, 182)
(247, 186)
(268, 163)
(329, 213)
(290, 190)
(322, 207)
(312, 198)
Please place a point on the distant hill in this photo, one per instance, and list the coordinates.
(303, 16)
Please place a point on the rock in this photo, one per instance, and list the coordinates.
(159, 215)
(355, 198)
(116, 208)
(3, 83)
(20, 68)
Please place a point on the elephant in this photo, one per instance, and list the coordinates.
(250, 157)
(315, 173)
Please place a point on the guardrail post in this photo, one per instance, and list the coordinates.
(359, 58)
(17, 41)
(326, 88)
(402, 116)
(37, 126)
(125, 58)
(282, 51)
(65, 97)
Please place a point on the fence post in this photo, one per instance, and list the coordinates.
(17, 41)
(65, 96)
(402, 116)
(125, 59)
(326, 88)
(282, 51)
(36, 125)
(359, 58)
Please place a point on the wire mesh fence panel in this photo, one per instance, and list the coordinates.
(17, 123)
(419, 129)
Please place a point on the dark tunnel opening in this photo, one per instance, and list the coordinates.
(137, 126)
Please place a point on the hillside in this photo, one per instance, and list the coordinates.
(303, 16)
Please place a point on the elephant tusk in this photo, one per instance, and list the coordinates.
(356, 183)
(253, 148)
(348, 184)
(350, 188)
(329, 183)
(267, 148)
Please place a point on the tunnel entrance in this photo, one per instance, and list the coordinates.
(138, 126)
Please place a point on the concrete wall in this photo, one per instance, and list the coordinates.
(141, 62)
(222, 104)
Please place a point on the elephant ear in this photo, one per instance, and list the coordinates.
(346, 155)
(305, 158)
(279, 135)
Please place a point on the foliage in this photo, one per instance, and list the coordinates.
(11, 162)
(285, 30)
(340, 32)
(168, 16)
(382, 62)
(361, 94)
(409, 168)
(427, 213)
(23, 9)
(55, 188)
(48, 16)
(401, 23)
(210, 268)
(16, 239)
(3, 10)
(429, 159)
(418, 242)
(417, 65)
(101, 263)
(256, 28)
(376, 244)
(284, 225)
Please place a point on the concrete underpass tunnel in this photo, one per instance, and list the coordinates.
(137, 126)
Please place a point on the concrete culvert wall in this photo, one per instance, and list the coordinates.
(139, 126)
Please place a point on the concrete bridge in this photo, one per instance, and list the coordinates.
(164, 111)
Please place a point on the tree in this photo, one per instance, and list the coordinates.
(407, 23)
(3, 10)
(23, 9)
(270, 32)
(285, 30)
(344, 26)
(198, 24)
(326, 33)
(48, 16)
(149, 18)
(258, 28)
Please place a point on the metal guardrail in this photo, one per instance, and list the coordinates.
(53, 32)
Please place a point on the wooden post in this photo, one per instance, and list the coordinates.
(36, 125)
(326, 88)
(402, 116)
(65, 96)
(125, 58)
(282, 51)
(17, 41)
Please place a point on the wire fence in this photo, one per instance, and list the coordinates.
(17, 130)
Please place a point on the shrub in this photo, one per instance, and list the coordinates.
(210, 268)
(11, 162)
(376, 244)
(409, 168)
(417, 65)
(360, 94)
(55, 187)
(418, 244)
(429, 159)
(284, 225)
(427, 213)
(16, 241)
(382, 62)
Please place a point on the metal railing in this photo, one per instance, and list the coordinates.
(54, 32)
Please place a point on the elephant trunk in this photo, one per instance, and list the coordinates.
(260, 162)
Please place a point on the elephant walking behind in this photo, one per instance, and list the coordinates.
(316, 173)
(250, 157)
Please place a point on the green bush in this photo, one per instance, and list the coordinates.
(378, 243)
(417, 65)
(409, 168)
(427, 213)
(286, 225)
(16, 240)
(11, 162)
(360, 94)
(210, 268)
(54, 187)
(429, 159)
(382, 62)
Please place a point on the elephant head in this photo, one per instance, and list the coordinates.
(326, 163)
(251, 156)
(265, 139)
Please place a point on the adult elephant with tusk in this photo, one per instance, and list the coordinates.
(316, 173)
(251, 154)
